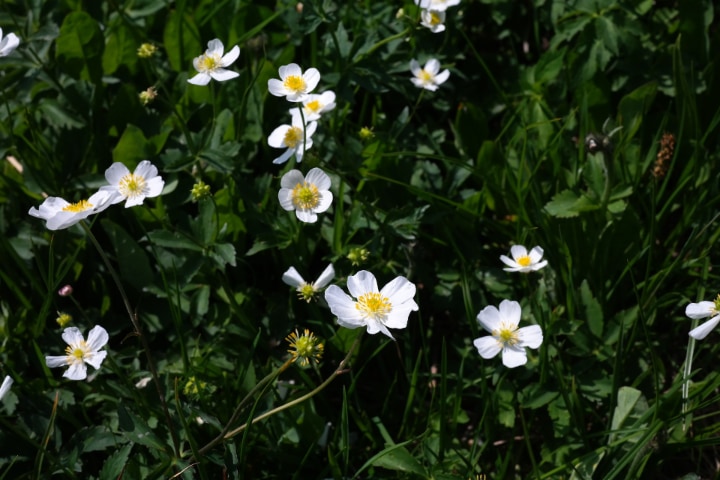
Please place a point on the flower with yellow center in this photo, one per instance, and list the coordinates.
(294, 84)
(212, 63)
(315, 105)
(297, 138)
(307, 290)
(433, 19)
(377, 310)
(430, 76)
(305, 348)
(522, 261)
(59, 213)
(148, 95)
(505, 336)
(134, 187)
(437, 5)
(307, 196)
(80, 353)
(702, 310)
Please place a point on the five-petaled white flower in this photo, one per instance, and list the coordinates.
(308, 195)
(433, 19)
(506, 336)
(428, 77)
(79, 352)
(315, 105)
(59, 213)
(376, 310)
(297, 138)
(211, 64)
(437, 5)
(8, 43)
(294, 84)
(307, 290)
(143, 183)
(523, 261)
(5, 388)
(703, 310)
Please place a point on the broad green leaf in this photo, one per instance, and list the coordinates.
(634, 106)
(182, 41)
(120, 50)
(607, 33)
(549, 66)
(567, 204)
(631, 405)
(593, 310)
(136, 429)
(79, 47)
(133, 147)
(398, 458)
(133, 262)
(114, 465)
(587, 466)
(165, 238)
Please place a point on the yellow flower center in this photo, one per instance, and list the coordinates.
(306, 292)
(313, 106)
(132, 185)
(80, 206)
(76, 353)
(293, 137)
(374, 305)
(305, 196)
(209, 62)
(426, 76)
(305, 347)
(435, 19)
(524, 261)
(716, 308)
(506, 335)
(294, 83)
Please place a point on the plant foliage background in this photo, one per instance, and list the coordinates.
(444, 183)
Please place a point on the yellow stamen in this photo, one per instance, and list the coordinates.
(426, 76)
(80, 206)
(76, 353)
(305, 196)
(293, 137)
(313, 106)
(294, 83)
(374, 305)
(132, 185)
(209, 62)
(435, 19)
(506, 334)
(524, 261)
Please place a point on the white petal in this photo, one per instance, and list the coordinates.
(442, 77)
(400, 291)
(284, 157)
(399, 316)
(312, 78)
(76, 371)
(507, 261)
(230, 57)
(96, 358)
(536, 254)
(530, 336)
(361, 283)
(276, 87)
(306, 216)
(97, 338)
(326, 198)
(277, 137)
(201, 79)
(221, 75)
(292, 277)
(700, 310)
(518, 251)
(318, 178)
(215, 47)
(325, 277)
(285, 199)
(155, 187)
(343, 307)
(487, 347)
(8, 381)
(115, 173)
(510, 311)
(514, 356)
(291, 69)
(489, 318)
(56, 361)
(291, 179)
(703, 330)
(415, 69)
(432, 66)
(72, 336)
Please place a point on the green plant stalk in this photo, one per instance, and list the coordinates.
(46, 438)
(138, 332)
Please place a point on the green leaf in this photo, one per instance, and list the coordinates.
(634, 106)
(470, 129)
(136, 430)
(593, 310)
(567, 204)
(164, 238)
(79, 47)
(132, 147)
(607, 33)
(133, 262)
(120, 50)
(587, 466)
(182, 41)
(115, 464)
(549, 66)
(398, 458)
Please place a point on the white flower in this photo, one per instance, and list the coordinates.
(8, 44)
(143, 183)
(297, 138)
(306, 195)
(376, 310)
(703, 310)
(211, 64)
(523, 261)
(315, 105)
(8, 379)
(437, 5)
(307, 291)
(293, 84)
(79, 352)
(433, 19)
(428, 77)
(59, 213)
(506, 336)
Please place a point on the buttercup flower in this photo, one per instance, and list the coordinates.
(134, 187)
(211, 64)
(8, 44)
(703, 310)
(79, 352)
(293, 84)
(63, 319)
(315, 105)
(428, 77)
(523, 261)
(433, 19)
(307, 291)
(6, 384)
(296, 138)
(305, 348)
(437, 5)
(506, 336)
(308, 196)
(60, 213)
(376, 310)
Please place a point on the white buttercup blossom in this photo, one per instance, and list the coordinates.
(703, 310)
(377, 310)
(59, 213)
(430, 76)
(6, 384)
(307, 290)
(505, 336)
(296, 138)
(307, 195)
(437, 5)
(80, 353)
(8, 43)
(134, 187)
(433, 19)
(522, 261)
(315, 105)
(212, 63)
(294, 84)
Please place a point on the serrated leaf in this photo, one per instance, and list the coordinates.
(593, 310)
(136, 430)
(114, 465)
(567, 204)
(79, 47)
(398, 458)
